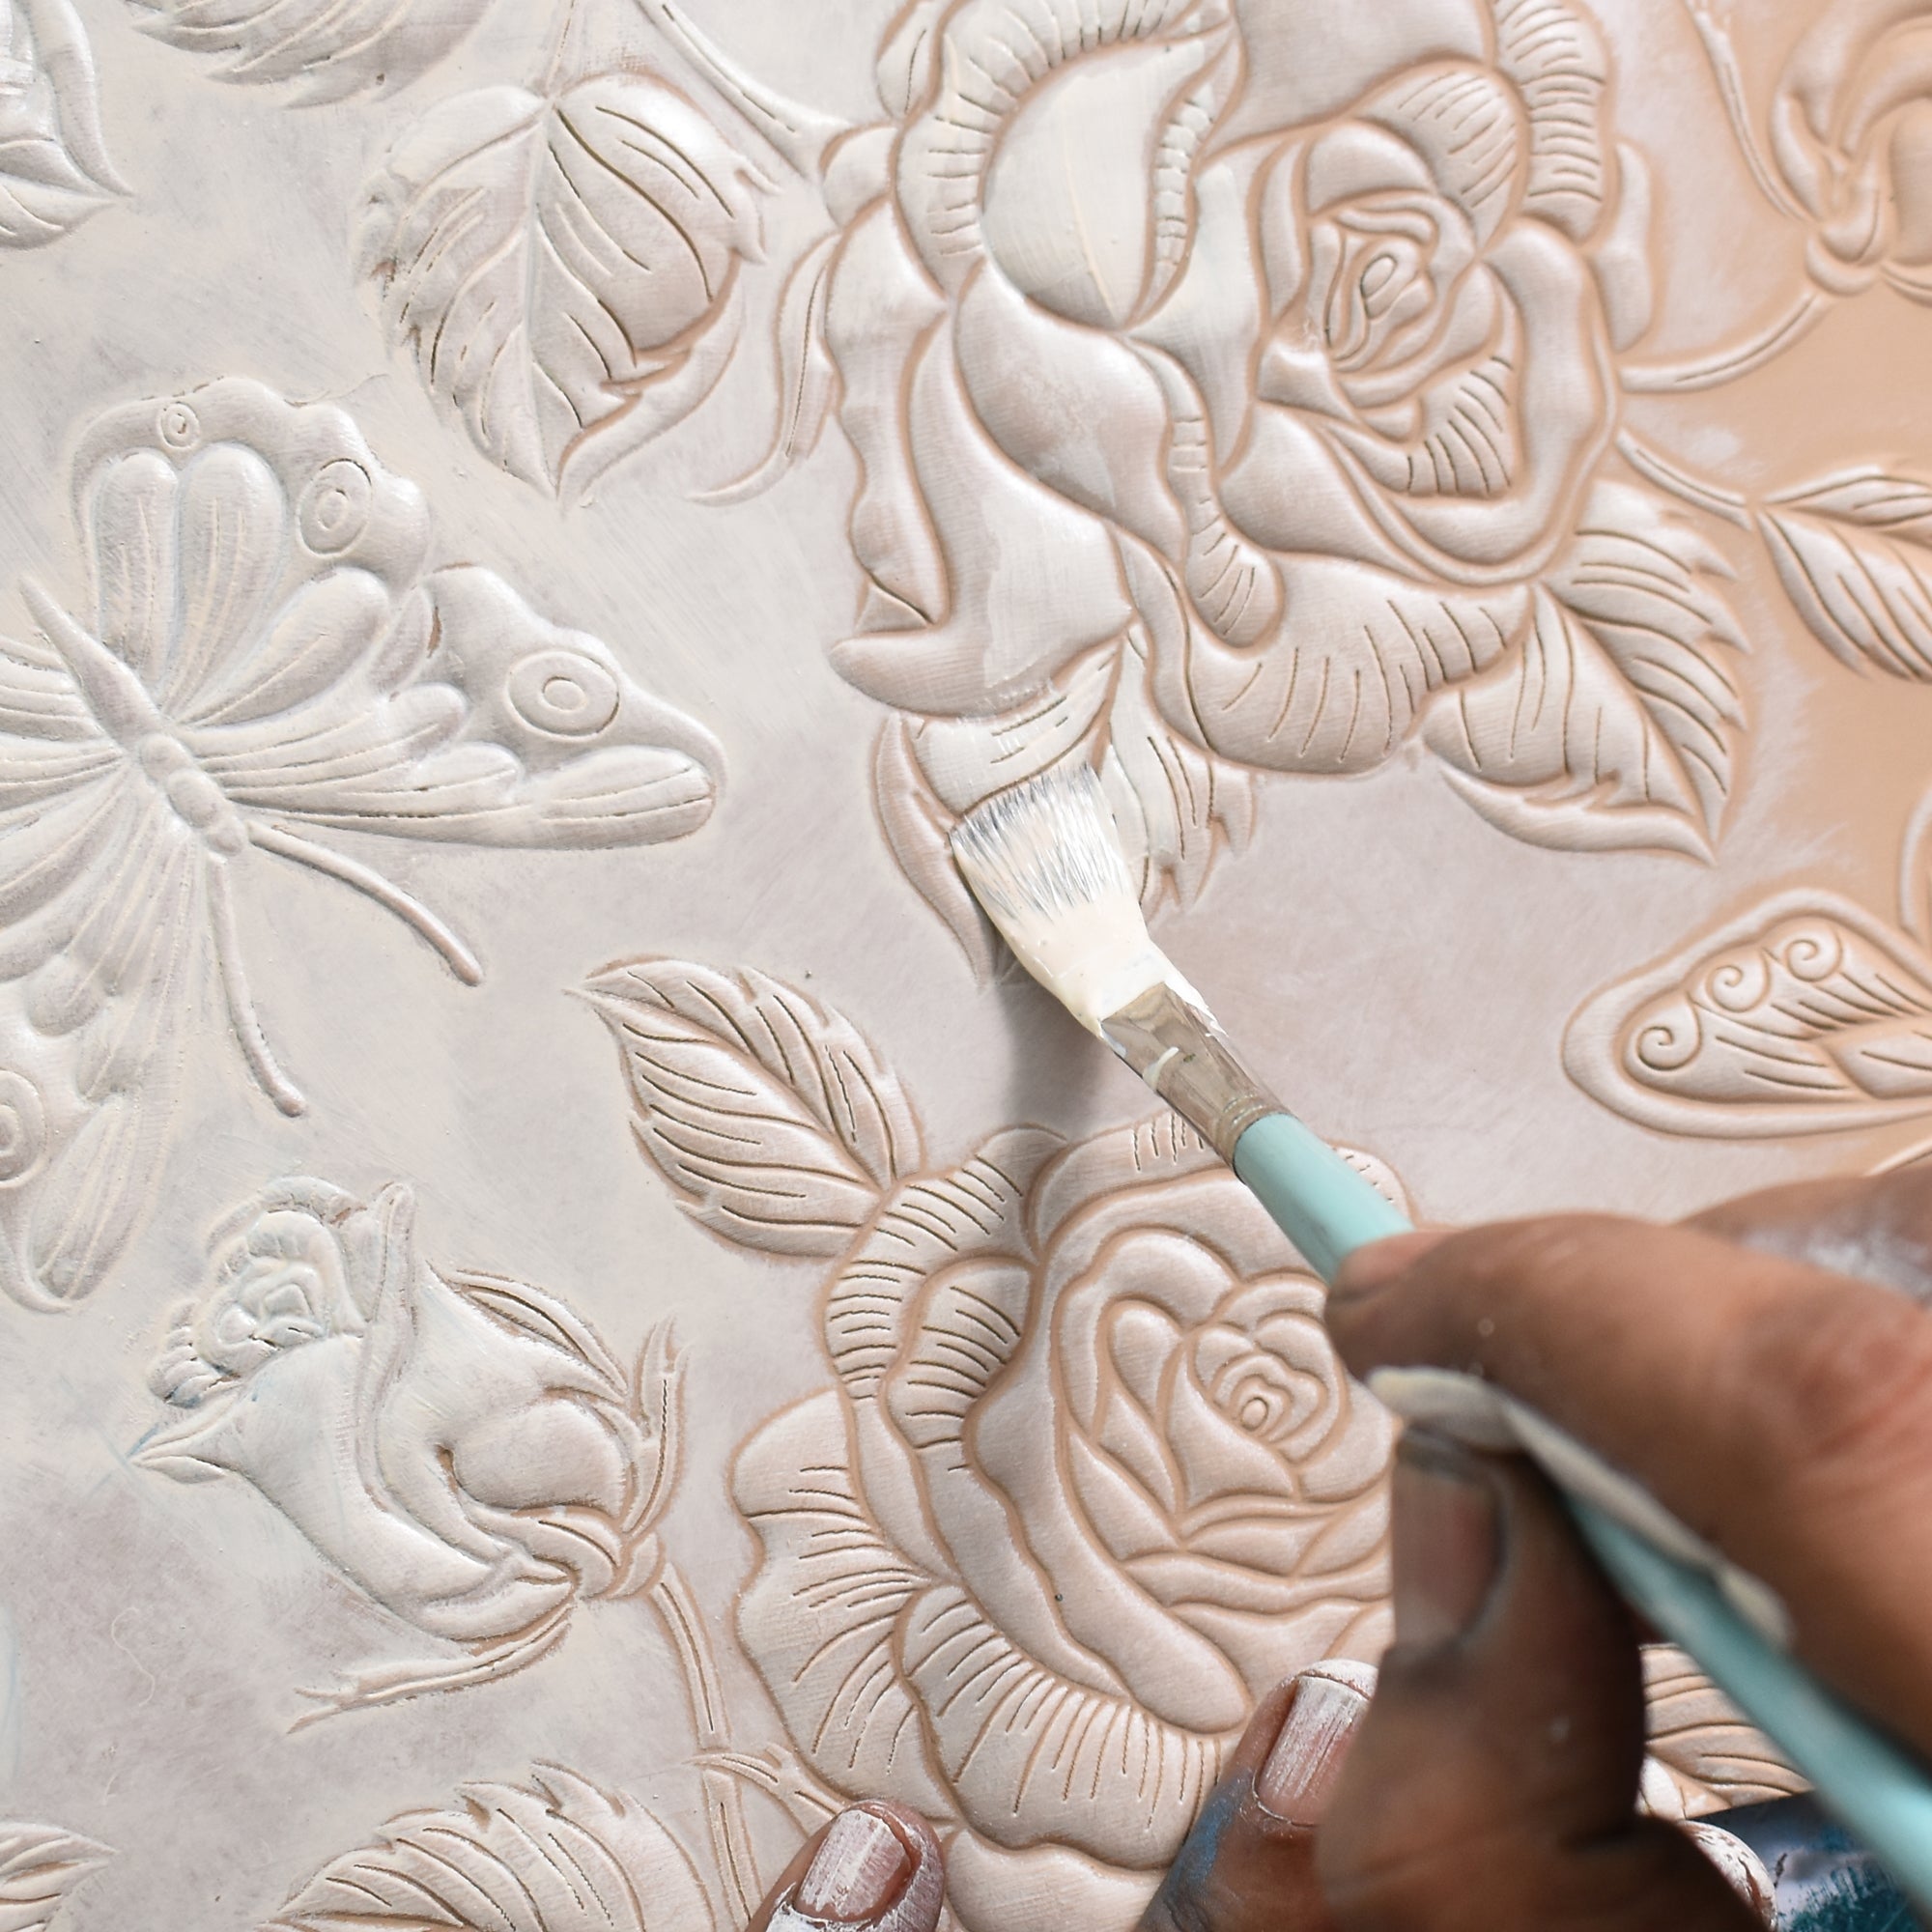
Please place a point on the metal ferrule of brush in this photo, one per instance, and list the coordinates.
(1179, 1050)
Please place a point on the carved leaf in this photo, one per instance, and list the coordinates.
(556, 1855)
(1803, 1016)
(1854, 553)
(39, 1868)
(1616, 722)
(325, 49)
(563, 269)
(1713, 1757)
(1641, 579)
(784, 1778)
(769, 1114)
(54, 168)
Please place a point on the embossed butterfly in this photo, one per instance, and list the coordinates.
(264, 653)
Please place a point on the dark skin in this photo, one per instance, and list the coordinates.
(1765, 1369)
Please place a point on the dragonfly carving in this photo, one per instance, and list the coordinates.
(264, 656)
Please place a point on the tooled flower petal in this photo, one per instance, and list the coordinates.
(1019, 71)
(1083, 413)
(1214, 1454)
(1125, 1516)
(1035, 1758)
(819, 1617)
(1308, 62)
(1041, 1889)
(1563, 419)
(1257, 1539)
(1621, 259)
(1291, 488)
(1179, 1677)
(1464, 123)
(1143, 1347)
(1211, 319)
(1271, 1645)
(1354, 1455)
(968, 1321)
(1080, 240)
(437, 1368)
(879, 304)
(295, 1438)
(1554, 54)
(1339, 684)
(1349, 160)
(1036, 580)
(551, 1455)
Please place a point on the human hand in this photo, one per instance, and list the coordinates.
(1755, 1368)
(1751, 1370)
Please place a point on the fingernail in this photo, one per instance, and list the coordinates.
(1746, 1872)
(1379, 1262)
(854, 1871)
(1301, 1771)
(1447, 1539)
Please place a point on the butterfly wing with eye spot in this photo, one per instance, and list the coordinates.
(517, 732)
(244, 554)
(261, 573)
(261, 640)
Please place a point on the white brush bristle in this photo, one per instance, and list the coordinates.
(1045, 862)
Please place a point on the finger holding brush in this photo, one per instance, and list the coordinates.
(1044, 860)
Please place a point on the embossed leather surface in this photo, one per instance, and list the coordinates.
(561, 1309)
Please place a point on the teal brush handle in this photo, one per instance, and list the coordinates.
(1877, 1789)
(1315, 1197)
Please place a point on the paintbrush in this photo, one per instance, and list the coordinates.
(1045, 862)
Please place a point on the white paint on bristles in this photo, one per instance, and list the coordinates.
(1045, 862)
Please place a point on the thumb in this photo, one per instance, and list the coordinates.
(1493, 1785)
(875, 1869)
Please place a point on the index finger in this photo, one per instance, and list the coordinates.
(1781, 1411)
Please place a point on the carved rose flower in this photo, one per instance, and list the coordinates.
(1091, 1481)
(1303, 342)
(462, 1448)
(1229, 381)
(1851, 130)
